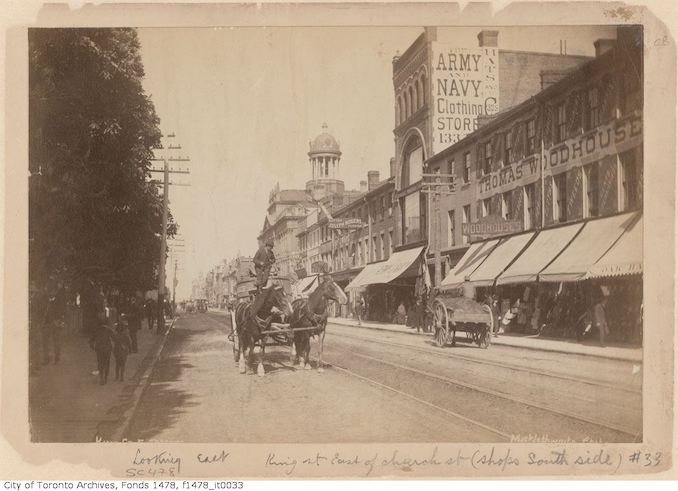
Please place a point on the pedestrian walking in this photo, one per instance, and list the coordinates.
(360, 309)
(600, 319)
(150, 312)
(102, 344)
(53, 322)
(122, 346)
(134, 314)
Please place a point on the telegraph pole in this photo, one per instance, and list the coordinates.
(436, 186)
(165, 212)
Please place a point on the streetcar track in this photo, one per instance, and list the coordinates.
(517, 368)
(491, 392)
(494, 393)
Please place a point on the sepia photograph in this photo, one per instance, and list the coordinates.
(329, 235)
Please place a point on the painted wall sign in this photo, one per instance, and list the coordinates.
(517, 174)
(491, 226)
(465, 85)
(345, 223)
(615, 137)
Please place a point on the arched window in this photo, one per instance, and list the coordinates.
(399, 110)
(422, 79)
(406, 101)
(413, 101)
(413, 162)
(417, 95)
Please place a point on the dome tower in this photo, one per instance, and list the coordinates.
(324, 156)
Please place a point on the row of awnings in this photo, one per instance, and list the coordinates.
(611, 246)
(399, 264)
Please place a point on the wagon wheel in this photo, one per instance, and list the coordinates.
(441, 323)
(485, 333)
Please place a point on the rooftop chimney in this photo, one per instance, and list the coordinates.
(372, 179)
(603, 46)
(363, 186)
(488, 39)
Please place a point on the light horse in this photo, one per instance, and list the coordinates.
(254, 317)
(312, 312)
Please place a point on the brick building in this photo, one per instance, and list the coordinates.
(564, 171)
(431, 114)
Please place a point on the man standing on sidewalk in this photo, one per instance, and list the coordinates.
(53, 323)
(150, 312)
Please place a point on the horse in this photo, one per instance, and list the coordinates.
(312, 312)
(253, 317)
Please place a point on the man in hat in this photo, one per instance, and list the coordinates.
(263, 261)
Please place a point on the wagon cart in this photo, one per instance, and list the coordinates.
(278, 332)
(452, 314)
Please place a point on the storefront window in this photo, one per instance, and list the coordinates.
(559, 198)
(467, 167)
(531, 137)
(506, 205)
(508, 149)
(592, 108)
(411, 217)
(629, 181)
(530, 219)
(591, 186)
(487, 162)
(561, 122)
(487, 207)
(450, 228)
(465, 218)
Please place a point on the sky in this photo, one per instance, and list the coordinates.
(245, 102)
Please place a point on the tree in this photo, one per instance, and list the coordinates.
(93, 213)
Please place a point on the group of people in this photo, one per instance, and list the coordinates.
(109, 321)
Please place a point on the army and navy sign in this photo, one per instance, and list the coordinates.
(465, 85)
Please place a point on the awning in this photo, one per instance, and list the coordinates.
(587, 248)
(302, 286)
(624, 257)
(500, 257)
(387, 271)
(548, 244)
(473, 258)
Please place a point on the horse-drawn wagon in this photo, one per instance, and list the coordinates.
(453, 314)
(270, 315)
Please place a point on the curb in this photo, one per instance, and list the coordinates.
(500, 343)
(126, 417)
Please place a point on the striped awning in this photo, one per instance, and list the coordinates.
(587, 248)
(624, 257)
(474, 257)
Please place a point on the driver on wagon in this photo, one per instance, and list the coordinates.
(263, 261)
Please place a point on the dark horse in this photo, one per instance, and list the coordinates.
(312, 312)
(251, 318)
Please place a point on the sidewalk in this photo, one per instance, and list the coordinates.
(66, 402)
(532, 342)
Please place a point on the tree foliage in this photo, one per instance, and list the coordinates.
(92, 212)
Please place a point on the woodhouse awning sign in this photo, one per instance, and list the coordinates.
(492, 226)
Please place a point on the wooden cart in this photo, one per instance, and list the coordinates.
(452, 314)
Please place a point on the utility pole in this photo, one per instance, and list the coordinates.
(165, 212)
(435, 186)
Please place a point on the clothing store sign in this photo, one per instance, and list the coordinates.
(465, 85)
(615, 137)
(509, 177)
